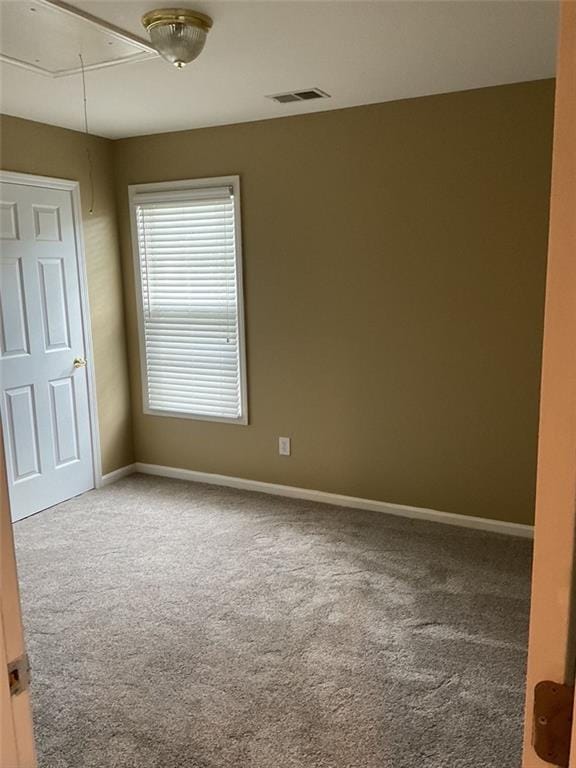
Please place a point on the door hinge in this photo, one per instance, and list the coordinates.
(19, 675)
(553, 705)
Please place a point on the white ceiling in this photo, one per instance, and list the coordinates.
(359, 52)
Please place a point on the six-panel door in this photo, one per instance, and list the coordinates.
(44, 397)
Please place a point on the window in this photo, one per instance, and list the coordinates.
(186, 238)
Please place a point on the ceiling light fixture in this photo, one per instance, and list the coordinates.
(177, 34)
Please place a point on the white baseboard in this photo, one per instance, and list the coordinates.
(401, 510)
(117, 474)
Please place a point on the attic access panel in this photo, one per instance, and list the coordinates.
(47, 36)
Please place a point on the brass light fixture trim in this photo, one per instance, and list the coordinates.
(176, 16)
(178, 34)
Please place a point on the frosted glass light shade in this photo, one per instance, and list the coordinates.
(178, 35)
(178, 43)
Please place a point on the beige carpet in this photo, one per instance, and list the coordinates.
(174, 625)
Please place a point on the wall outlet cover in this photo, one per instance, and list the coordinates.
(284, 446)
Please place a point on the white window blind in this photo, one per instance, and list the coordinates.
(190, 278)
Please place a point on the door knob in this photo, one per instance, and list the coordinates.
(79, 362)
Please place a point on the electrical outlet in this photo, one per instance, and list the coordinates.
(284, 446)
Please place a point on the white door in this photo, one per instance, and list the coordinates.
(44, 400)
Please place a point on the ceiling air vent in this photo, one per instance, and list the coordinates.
(307, 95)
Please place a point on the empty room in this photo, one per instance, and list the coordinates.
(287, 383)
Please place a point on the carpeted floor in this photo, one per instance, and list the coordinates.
(175, 625)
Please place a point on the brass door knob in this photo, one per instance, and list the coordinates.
(79, 362)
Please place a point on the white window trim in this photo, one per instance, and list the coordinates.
(181, 185)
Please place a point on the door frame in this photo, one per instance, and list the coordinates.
(553, 603)
(16, 730)
(73, 187)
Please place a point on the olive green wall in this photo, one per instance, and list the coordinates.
(394, 262)
(44, 150)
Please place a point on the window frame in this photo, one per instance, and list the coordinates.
(178, 187)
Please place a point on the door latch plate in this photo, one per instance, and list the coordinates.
(553, 705)
(19, 675)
